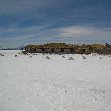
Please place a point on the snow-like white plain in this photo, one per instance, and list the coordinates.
(56, 84)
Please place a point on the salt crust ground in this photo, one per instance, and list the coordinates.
(55, 84)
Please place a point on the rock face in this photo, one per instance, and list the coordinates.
(62, 48)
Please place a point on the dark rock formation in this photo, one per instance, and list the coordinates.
(62, 48)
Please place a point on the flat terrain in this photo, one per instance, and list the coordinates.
(34, 83)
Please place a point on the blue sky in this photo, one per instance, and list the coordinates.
(42, 21)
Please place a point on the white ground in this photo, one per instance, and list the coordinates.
(56, 84)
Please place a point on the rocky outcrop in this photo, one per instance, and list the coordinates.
(62, 48)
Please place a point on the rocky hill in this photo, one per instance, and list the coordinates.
(62, 48)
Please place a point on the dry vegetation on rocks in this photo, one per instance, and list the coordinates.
(62, 48)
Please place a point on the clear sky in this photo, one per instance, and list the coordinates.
(42, 21)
